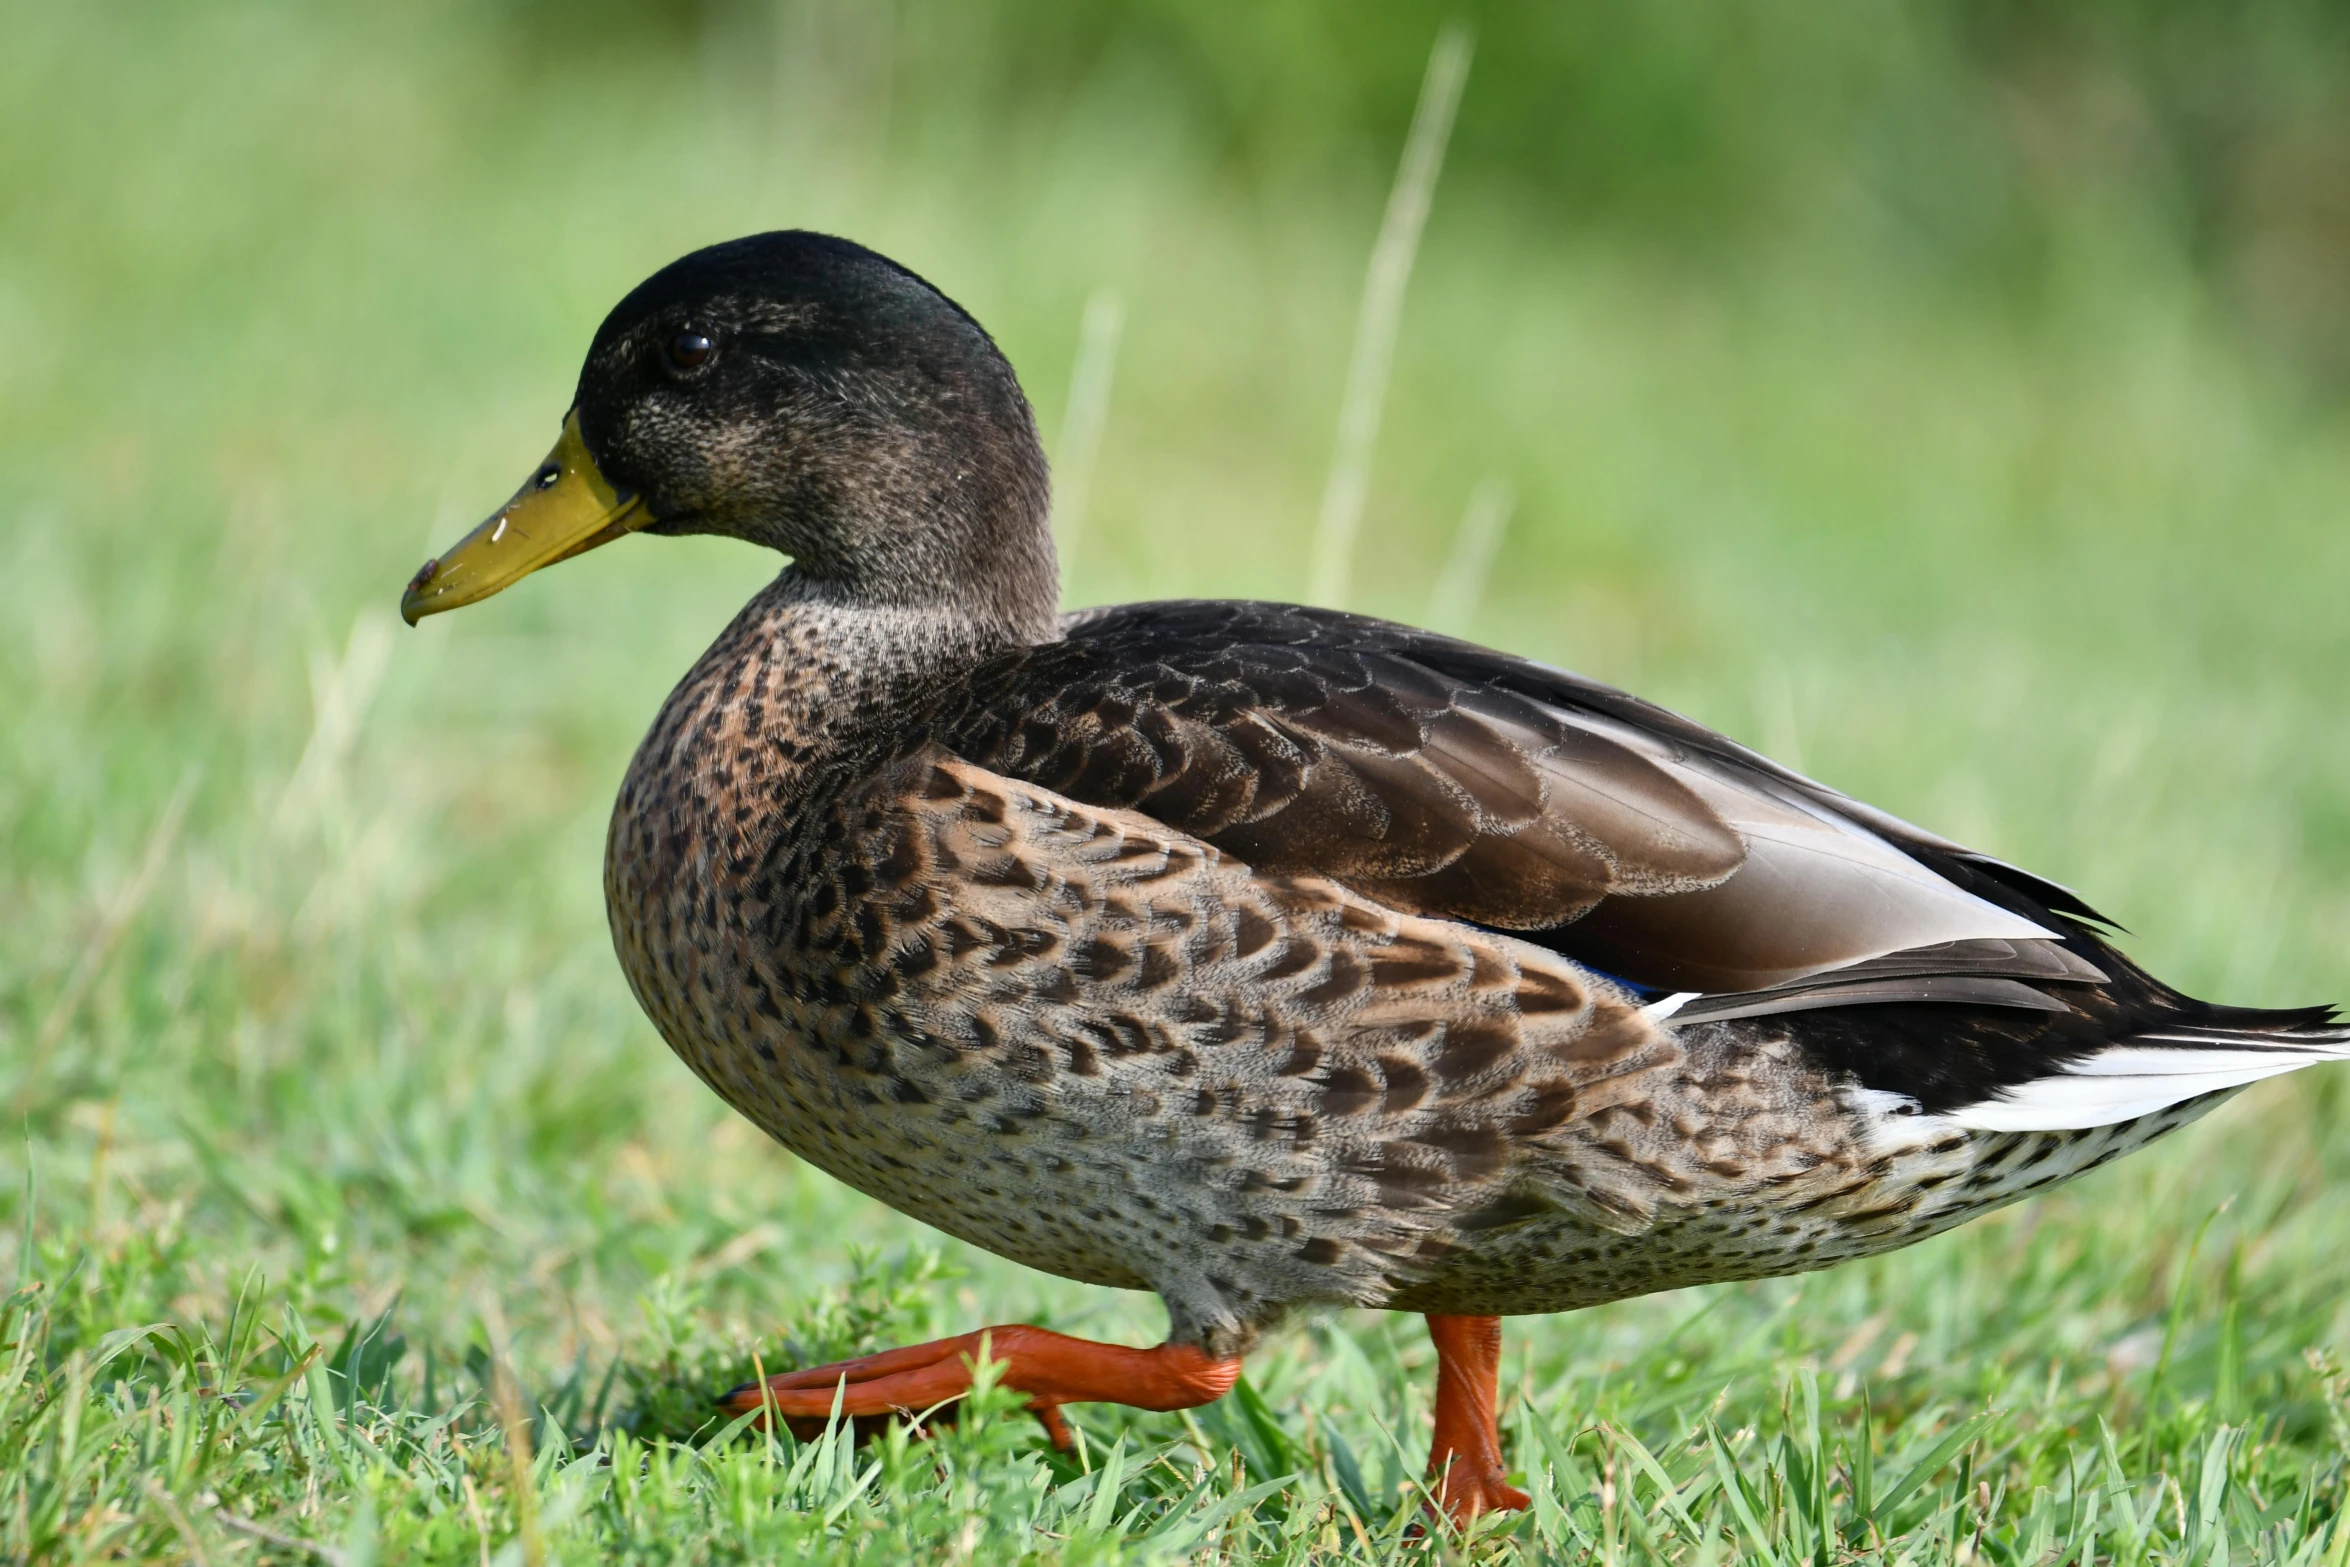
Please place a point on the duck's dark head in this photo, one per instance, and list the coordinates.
(800, 392)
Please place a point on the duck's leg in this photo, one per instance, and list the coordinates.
(1051, 1368)
(1465, 1458)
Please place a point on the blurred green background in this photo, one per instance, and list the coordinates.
(1950, 399)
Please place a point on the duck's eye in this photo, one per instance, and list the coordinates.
(688, 350)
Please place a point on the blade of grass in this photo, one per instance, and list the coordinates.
(1458, 590)
(1381, 316)
(1743, 1502)
(120, 912)
(1931, 1464)
(1082, 421)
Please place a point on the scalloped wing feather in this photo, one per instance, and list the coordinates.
(1448, 781)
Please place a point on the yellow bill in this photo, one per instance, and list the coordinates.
(565, 508)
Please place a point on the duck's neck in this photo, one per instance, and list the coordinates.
(801, 684)
(990, 575)
(833, 648)
(948, 516)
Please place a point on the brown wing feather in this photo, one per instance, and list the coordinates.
(1392, 762)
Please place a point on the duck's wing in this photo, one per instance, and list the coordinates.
(1445, 779)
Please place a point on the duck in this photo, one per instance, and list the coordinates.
(1266, 957)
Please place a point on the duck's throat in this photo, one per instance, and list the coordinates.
(800, 689)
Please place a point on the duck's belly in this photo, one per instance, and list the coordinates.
(1562, 1262)
(983, 1161)
(1112, 1183)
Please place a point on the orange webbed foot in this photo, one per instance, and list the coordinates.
(1464, 1460)
(1469, 1494)
(1051, 1368)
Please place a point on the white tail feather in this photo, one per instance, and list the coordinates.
(2146, 1074)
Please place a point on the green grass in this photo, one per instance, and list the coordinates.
(349, 1200)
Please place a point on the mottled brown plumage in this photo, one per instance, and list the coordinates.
(1266, 957)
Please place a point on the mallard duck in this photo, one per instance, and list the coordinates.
(1262, 956)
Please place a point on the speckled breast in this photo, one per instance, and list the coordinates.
(751, 942)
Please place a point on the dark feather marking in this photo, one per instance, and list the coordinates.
(1472, 1047)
